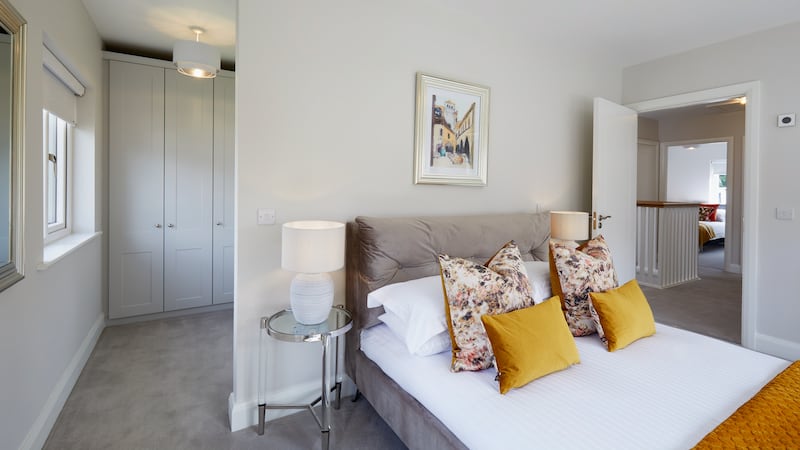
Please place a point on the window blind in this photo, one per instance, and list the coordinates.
(60, 87)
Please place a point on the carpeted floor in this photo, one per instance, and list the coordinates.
(165, 384)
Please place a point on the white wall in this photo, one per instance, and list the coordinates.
(325, 111)
(768, 57)
(688, 171)
(50, 319)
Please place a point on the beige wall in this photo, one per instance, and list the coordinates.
(768, 58)
(325, 111)
(49, 320)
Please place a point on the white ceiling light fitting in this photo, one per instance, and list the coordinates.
(194, 58)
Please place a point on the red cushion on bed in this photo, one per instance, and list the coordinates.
(708, 212)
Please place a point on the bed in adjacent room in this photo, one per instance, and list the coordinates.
(668, 390)
(711, 224)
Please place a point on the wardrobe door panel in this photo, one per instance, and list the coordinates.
(224, 140)
(136, 207)
(188, 191)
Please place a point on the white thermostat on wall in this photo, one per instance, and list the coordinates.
(786, 120)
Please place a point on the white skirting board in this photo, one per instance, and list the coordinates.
(38, 433)
(777, 347)
(245, 413)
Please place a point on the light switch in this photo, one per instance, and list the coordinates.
(784, 213)
(266, 216)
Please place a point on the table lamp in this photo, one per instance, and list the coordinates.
(312, 248)
(569, 225)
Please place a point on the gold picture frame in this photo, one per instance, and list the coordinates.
(451, 144)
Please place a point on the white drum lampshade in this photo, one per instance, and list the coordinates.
(312, 248)
(196, 59)
(569, 225)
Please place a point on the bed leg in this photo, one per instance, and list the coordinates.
(356, 396)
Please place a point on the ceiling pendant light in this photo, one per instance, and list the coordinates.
(194, 58)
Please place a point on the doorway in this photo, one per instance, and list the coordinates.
(749, 189)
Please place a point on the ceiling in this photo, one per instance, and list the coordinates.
(151, 27)
(623, 31)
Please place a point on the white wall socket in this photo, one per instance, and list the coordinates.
(786, 120)
(266, 216)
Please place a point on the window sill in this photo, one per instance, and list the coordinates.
(55, 251)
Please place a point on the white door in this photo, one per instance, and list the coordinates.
(188, 186)
(614, 183)
(224, 140)
(136, 205)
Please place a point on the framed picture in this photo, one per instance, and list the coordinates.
(451, 132)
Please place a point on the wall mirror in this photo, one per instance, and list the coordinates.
(12, 138)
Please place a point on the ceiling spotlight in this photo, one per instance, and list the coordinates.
(194, 58)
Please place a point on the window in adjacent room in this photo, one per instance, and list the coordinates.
(718, 182)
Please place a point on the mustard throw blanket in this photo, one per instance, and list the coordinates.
(771, 419)
(706, 233)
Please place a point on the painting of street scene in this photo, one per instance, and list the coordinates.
(451, 136)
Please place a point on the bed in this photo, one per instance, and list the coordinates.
(626, 399)
(711, 230)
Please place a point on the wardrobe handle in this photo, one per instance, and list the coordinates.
(219, 224)
(169, 225)
(158, 225)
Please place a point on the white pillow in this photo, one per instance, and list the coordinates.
(437, 343)
(419, 304)
(539, 279)
(720, 215)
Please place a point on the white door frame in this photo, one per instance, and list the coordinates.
(732, 183)
(750, 159)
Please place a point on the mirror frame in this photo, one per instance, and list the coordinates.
(15, 24)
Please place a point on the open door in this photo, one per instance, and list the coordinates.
(614, 183)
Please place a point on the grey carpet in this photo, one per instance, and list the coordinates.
(164, 384)
(711, 306)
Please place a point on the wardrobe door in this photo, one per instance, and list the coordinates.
(224, 140)
(136, 207)
(188, 185)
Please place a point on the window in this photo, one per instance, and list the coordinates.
(57, 143)
(718, 182)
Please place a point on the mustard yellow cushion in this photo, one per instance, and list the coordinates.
(530, 343)
(624, 315)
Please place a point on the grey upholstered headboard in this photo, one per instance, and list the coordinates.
(383, 251)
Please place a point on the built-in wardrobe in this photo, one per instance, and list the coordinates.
(171, 169)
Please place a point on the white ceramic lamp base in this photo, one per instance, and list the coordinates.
(311, 297)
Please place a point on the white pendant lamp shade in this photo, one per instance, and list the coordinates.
(312, 248)
(569, 225)
(196, 59)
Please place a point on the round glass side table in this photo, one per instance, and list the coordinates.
(283, 327)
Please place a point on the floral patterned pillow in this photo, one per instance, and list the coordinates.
(708, 212)
(581, 270)
(472, 290)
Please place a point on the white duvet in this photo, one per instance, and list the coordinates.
(718, 227)
(666, 391)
